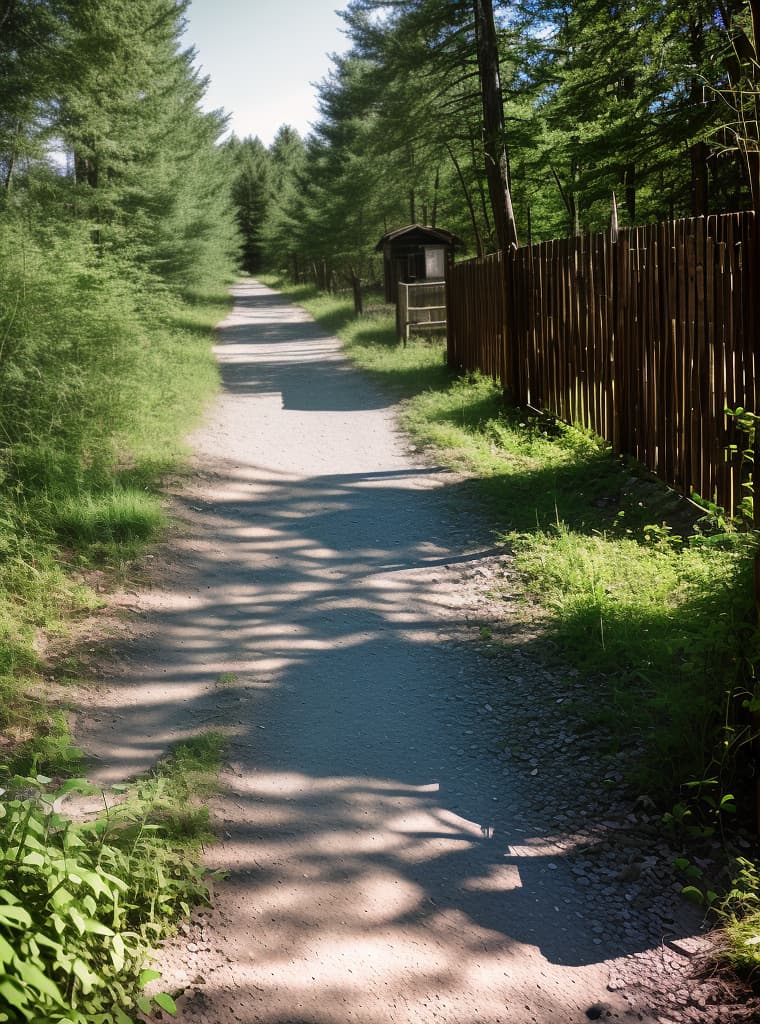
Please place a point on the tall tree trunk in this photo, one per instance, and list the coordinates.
(436, 186)
(476, 172)
(698, 151)
(468, 200)
(629, 182)
(497, 160)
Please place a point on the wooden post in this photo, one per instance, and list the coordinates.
(450, 329)
(613, 285)
(357, 289)
(402, 311)
(754, 325)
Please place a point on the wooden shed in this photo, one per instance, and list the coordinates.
(415, 253)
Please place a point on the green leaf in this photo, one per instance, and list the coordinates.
(690, 892)
(145, 1005)
(78, 920)
(85, 975)
(16, 917)
(43, 940)
(76, 785)
(61, 898)
(93, 927)
(118, 952)
(6, 951)
(12, 992)
(147, 976)
(35, 979)
(165, 1001)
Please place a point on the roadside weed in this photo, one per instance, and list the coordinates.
(82, 905)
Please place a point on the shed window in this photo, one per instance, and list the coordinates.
(415, 266)
(435, 269)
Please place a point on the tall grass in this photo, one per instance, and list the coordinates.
(102, 372)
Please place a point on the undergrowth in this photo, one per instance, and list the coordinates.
(82, 904)
(102, 371)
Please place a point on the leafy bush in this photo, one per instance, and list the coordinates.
(81, 905)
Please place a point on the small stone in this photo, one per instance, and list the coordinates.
(596, 1011)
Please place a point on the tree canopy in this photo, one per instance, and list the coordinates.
(597, 97)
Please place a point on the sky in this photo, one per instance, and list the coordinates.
(262, 57)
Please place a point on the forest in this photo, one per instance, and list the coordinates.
(647, 100)
(115, 210)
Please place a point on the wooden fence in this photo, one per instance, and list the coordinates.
(421, 305)
(645, 339)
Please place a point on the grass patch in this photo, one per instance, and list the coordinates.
(123, 515)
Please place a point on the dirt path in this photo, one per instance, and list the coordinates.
(387, 863)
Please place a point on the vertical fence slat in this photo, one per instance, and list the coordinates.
(645, 340)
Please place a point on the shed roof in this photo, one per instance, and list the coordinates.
(419, 234)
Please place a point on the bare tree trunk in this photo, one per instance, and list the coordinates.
(434, 217)
(479, 179)
(698, 153)
(7, 12)
(753, 153)
(568, 200)
(12, 158)
(497, 160)
(468, 200)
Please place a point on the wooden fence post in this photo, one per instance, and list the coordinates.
(357, 289)
(511, 331)
(402, 305)
(614, 285)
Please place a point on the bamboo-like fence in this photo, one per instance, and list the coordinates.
(645, 339)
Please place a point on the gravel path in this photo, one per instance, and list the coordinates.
(389, 861)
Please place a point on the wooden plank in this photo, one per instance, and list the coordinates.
(644, 340)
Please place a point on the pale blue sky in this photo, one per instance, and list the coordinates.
(262, 55)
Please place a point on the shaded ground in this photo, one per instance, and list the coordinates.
(388, 860)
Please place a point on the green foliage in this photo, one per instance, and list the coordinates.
(123, 515)
(740, 909)
(82, 905)
(598, 98)
(251, 194)
(111, 277)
